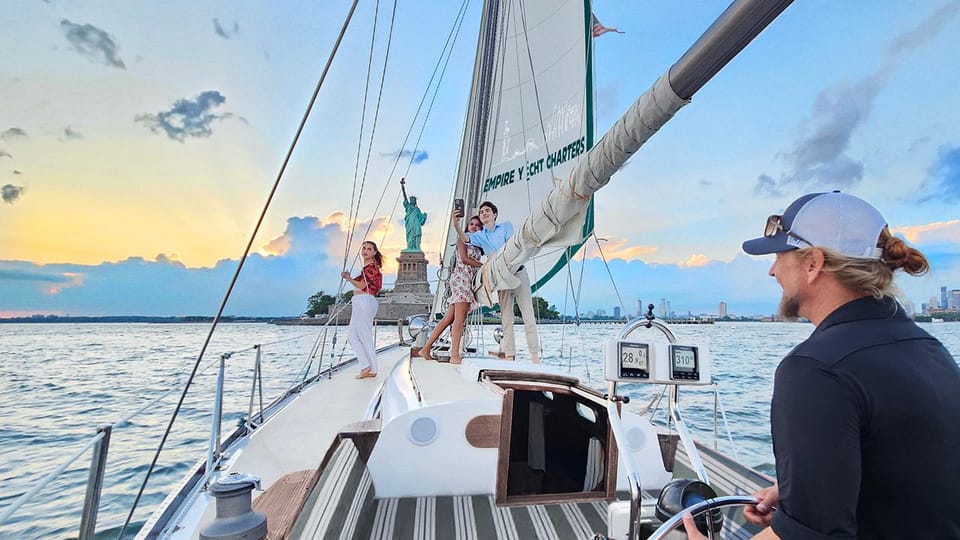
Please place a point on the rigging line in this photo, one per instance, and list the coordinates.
(583, 265)
(523, 135)
(623, 308)
(496, 74)
(233, 281)
(443, 71)
(354, 204)
(376, 116)
(454, 32)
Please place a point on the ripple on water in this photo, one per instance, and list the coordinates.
(80, 376)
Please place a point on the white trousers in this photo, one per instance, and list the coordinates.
(360, 335)
(508, 345)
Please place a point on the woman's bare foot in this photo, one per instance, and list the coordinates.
(425, 353)
(366, 374)
(456, 359)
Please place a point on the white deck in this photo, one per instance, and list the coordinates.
(298, 438)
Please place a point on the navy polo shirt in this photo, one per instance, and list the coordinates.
(866, 429)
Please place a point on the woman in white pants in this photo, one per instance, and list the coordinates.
(367, 284)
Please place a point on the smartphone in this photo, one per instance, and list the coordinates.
(458, 206)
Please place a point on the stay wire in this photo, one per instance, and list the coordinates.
(448, 51)
(613, 282)
(354, 203)
(233, 281)
(376, 116)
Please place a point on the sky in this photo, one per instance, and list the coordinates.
(139, 143)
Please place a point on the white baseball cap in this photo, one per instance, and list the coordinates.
(838, 221)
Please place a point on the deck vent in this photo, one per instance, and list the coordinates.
(636, 438)
(235, 519)
(423, 431)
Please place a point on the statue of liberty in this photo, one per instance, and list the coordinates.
(413, 220)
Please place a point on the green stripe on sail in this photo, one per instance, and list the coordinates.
(588, 218)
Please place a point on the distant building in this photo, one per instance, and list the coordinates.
(953, 301)
(616, 312)
(924, 308)
(663, 308)
(723, 309)
(933, 304)
(668, 311)
(639, 307)
(943, 297)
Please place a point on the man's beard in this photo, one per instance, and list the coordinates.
(789, 309)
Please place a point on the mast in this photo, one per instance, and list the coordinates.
(470, 169)
(565, 205)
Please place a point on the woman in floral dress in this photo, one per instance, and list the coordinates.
(461, 295)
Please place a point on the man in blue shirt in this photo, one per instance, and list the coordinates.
(491, 238)
(864, 414)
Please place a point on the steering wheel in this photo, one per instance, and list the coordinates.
(699, 508)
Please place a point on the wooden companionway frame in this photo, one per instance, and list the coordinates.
(512, 384)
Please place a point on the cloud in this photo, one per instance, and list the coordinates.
(92, 42)
(819, 156)
(13, 133)
(188, 118)
(225, 34)
(945, 177)
(70, 134)
(924, 32)
(742, 283)
(694, 261)
(419, 156)
(620, 248)
(270, 284)
(936, 232)
(766, 186)
(11, 193)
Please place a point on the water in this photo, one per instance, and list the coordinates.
(60, 381)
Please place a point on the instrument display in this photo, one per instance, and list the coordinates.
(683, 362)
(655, 362)
(634, 360)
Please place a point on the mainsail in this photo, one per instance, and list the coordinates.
(530, 120)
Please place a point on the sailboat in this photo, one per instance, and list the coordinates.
(495, 449)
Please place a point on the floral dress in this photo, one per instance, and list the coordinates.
(461, 279)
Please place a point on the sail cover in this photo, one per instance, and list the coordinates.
(530, 120)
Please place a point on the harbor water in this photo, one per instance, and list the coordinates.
(61, 381)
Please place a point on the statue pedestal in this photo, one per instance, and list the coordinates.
(412, 273)
(411, 292)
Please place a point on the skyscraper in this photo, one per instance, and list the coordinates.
(663, 308)
(723, 309)
(616, 312)
(943, 297)
(639, 307)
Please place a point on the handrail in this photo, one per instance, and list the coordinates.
(633, 477)
(26, 497)
(91, 502)
(213, 453)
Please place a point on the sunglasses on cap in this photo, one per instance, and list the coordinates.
(775, 225)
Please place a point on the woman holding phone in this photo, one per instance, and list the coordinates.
(461, 294)
(364, 304)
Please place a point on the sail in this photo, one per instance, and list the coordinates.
(529, 121)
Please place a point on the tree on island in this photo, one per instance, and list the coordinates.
(541, 308)
(320, 302)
